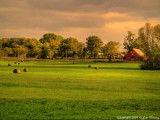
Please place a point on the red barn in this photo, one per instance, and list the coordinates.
(134, 55)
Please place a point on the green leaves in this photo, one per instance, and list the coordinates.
(94, 44)
(111, 49)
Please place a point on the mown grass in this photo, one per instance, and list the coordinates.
(63, 90)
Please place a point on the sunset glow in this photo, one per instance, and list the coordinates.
(108, 19)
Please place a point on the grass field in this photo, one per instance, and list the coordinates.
(63, 90)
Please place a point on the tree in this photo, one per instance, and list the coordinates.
(45, 50)
(0, 47)
(149, 37)
(111, 49)
(53, 47)
(5, 52)
(34, 48)
(80, 51)
(94, 44)
(131, 42)
(51, 36)
(20, 51)
(85, 52)
(69, 47)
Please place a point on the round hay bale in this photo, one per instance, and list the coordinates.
(19, 63)
(89, 66)
(25, 70)
(96, 68)
(15, 62)
(74, 63)
(9, 65)
(16, 71)
(21, 60)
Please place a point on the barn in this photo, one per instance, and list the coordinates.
(134, 55)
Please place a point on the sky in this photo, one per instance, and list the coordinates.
(108, 19)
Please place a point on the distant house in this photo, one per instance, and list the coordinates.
(134, 55)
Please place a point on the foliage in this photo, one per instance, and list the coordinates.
(131, 42)
(70, 47)
(111, 49)
(150, 42)
(20, 47)
(20, 50)
(94, 44)
(50, 46)
(51, 36)
(7, 52)
(33, 46)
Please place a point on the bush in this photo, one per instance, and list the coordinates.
(75, 57)
(145, 66)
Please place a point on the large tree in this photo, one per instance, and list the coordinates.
(94, 44)
(80, 52)
(131, 42)
(20, 51)
(149, 36)
(34, 47)
(53, 48)
(51, 36)
(69, 47)
(111, 49)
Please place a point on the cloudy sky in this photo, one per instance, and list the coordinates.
(108, 19)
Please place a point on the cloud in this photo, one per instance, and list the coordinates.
(109, 19)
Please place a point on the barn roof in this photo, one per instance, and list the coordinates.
(139, 52)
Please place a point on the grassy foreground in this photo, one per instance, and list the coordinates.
(62, 90)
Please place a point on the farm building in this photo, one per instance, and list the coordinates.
(134, 55)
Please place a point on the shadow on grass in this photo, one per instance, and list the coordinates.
(84, 67)
(71, 66)
(120, 68)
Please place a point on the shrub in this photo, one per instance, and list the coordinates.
(75, 57)
(145, 66)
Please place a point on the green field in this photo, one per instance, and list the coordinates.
(63, 90)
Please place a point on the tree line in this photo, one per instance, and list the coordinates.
(53, 46)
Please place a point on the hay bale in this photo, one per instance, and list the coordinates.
(21, 60)
(19, 63)
(9, 65)
(15, 62)
(74, 63)
(96, 68)
(25, 70)
(16, 71)
(89, 66)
